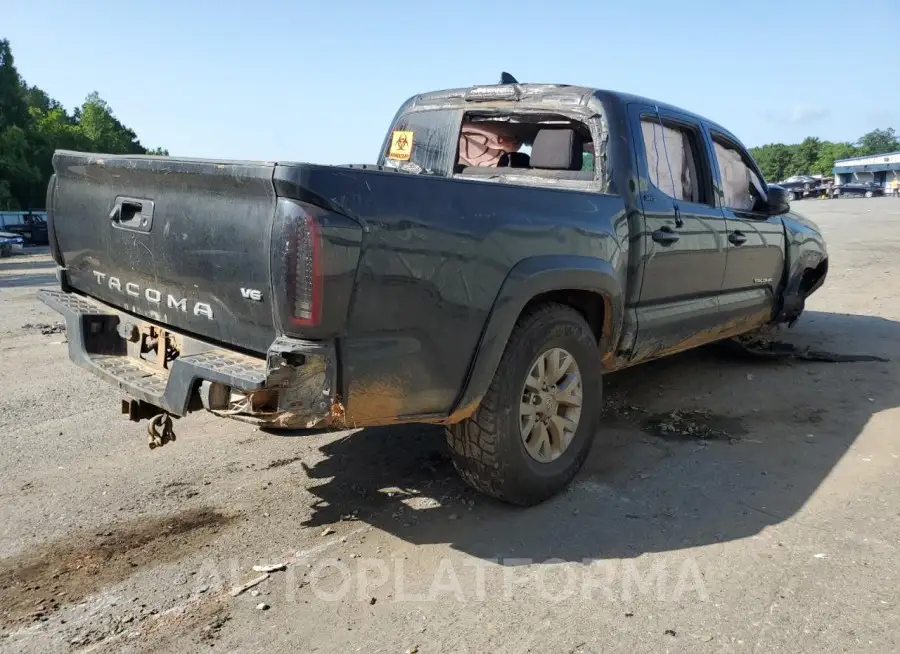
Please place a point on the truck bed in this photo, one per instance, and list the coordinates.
(407, 272)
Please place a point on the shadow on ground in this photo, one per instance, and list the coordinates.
(791, 422)
(35, 280)
(15, 272)
(17, 263)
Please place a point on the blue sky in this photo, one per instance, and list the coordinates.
(319, 80)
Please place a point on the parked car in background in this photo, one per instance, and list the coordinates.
(808, 186)
(10, 243)
(30, 225)
(858, 190)
(800, 186)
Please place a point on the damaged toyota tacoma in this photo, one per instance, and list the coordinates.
(513, 243)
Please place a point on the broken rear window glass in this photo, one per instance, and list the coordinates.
(542, 146)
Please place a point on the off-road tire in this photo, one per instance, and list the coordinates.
(487, 449)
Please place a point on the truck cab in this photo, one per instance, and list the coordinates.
(706, 250)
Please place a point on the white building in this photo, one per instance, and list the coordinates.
(879, 168)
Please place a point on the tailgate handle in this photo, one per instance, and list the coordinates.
(132, 213)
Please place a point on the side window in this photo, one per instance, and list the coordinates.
(741, 186)
(672, 162)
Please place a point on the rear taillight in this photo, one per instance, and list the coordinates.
(304, 270)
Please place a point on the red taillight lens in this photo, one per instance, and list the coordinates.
(305, 273)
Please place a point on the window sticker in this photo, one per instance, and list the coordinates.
(401, 145)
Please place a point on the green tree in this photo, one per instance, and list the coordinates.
(878, 141)
(7, 201)
(812, 156)
(103, 130)
(13, 110)
(829, 153)
(773, 159)
(17, 173)
(36, 98)
(33, 125)
(804, 156)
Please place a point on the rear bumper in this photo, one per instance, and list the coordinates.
(295, 382)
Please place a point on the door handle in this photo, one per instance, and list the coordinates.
(665, 235)
(126, 210)
(133, 214)
(737, 238)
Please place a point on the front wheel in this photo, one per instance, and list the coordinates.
(536, 422)
(869, 194)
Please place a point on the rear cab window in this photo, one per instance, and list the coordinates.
(523, 146)
(528, 145)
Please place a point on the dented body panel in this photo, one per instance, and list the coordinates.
(806, 266)
(439, 256)
(420, 273)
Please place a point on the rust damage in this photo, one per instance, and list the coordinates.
(334, 417)
(299, 394)
(150, 343)
(379, 401)
(462, 413)
(730, 329)
(376, 404)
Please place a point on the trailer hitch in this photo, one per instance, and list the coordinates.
(159, 430)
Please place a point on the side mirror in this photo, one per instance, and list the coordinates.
(778, 200)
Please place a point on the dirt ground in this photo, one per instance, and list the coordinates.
(728, 505)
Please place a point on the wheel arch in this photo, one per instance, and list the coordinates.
(588, 285)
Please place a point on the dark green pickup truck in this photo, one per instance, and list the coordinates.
(513, 244)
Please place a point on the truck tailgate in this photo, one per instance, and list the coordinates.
(184, 242)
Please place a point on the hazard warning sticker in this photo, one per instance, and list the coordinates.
(401, 145)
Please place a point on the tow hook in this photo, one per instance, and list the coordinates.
(159, 430)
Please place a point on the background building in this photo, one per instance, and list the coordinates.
(879, 168)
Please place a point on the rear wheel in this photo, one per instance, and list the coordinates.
(869, 194)
(536, 423)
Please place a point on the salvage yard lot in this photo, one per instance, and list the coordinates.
(779, 531)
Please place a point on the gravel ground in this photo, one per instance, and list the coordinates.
(772, 527)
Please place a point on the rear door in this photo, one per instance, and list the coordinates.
(684, 232)
(755, 241)
(183, 242)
